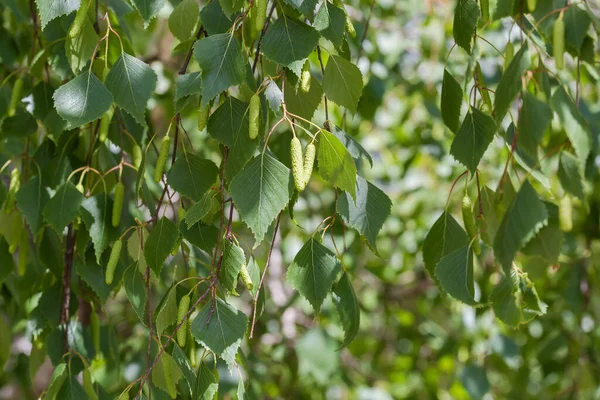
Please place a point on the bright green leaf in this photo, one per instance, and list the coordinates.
(183, 19)
(569, 176)
(336, 165)
(166, 374)
(192, 176)
(233, 259)
(342, 82)
(50, 9)
(97, 215)
(473, 138)
(63, 207)
(288, 40)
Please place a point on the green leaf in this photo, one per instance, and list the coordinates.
(455, 274)
(577, 22)
(466, 16)
(475, 381)
(274, 96)
(200, 235)
(342, 82)
(504, 302)
(288, 40)
(159, 244)
(82, 100)
(148, 9)
(489, 221)
(135, 290)
(233, 259)
(185, 366)
(300, 103)
(260, 192)
(473, 138)
(222, 62)
(452, 97)
(347, 307)
(229, 125)
(166, 374)
(63, 207)
(131, 82)
(306, 7)
(313, 272)
(534, 119)
(330, 22)
(444, 237)
(72, 390)
(50, 9)
(200, 211)
(336, 165)
(368, 213)
(166, 313)
(31, 200)
(318, 359)
(569, 176)
(510, 84)
(548, 241)
(524, 218)
(231, 6)
(188, 84)
(224, 331)
(94, 274)
(97, 215)
(352, 145)
(5, 341)
(206, 385)
(183, 19)
(59, 375)
(574, 124)
(20, 125)
(192, 176)
(213, 19)
(80, 49)
(7, 263)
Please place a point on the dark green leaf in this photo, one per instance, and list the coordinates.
(159, 244)
(135, 290)
(330, 22)
(466, 16)
(50, 9)
(510, 84)
(473, 138)
(192, 176)
(445, 236)
(534, 119)
(148, 9)
(188, 84)
(63, 207)
(206, 385)
(288, 40)
(455, 274)
(569, 176)
(200, 235)
(233, 259)
(347, 308)
(31, 200)
(97, 215)
(452, 97)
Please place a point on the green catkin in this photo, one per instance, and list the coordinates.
(558, 42)
(88, 386)
(305, 78)
(254, 116)
(467, 213)
(175, 248)
(350, 27)
(136, 156)
(531, 5)
(115, 253)
(105, 125)
(297, 164)
(79, 20)
(261, 14)
(15, 97)
(309, 161)
(565, 214)
(245, 275)
(117, 209)
(485, 10)
(124, 396)
(184, 306)
(163, 154)
(203, 117)
(193, 354)
(15, 182)
(509, 53)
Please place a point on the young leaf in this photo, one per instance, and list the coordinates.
(82, 100)
(188, 84)
(260, 192)
(336, 165)
(148, 9)
(444, 237)
(466, 16)
(510, 84)
(347, 308)
(452, 97)
(222, 62)
(229, 125)
(569, 176)
(313, 272)
(166, 374)
(473, 138)
(368, 213)
(31, 200)
(166, 312)
(288, 40)
(534, 119)
(96, 214)
(233, 259)
(206, 385)
(330, 21)
(80, 48)
(524, 218)
(342, 82)
(575, 126)
(135, 290)
(455, 274)
(63, 207)
(224, 331)
(200, 211)
(183, 19)
(159, 244)
(131, 82)
(192, 176)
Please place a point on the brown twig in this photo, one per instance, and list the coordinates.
(188, 57)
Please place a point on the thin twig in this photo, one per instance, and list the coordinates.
(262, 277)
(262, 34)
(324, 97)
(66, 281)
(188, 57)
